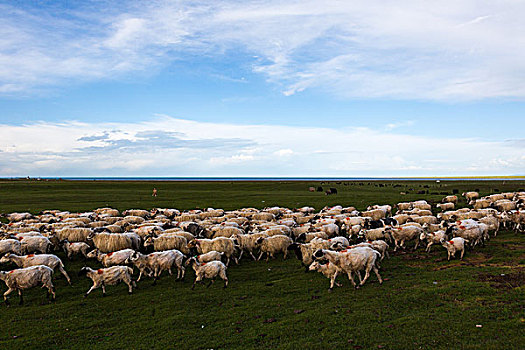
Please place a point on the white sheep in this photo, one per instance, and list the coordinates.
(445, 206)
(35, 244)
(157, 262)
(49, 260)
(432, 238)
(108, 276)
(167, 241)
(210, 256)
(10, 246)
(406, 233)
(246, 242)
(329, 270)
(454, 245)
(470, 195)
(111, 242)
(208, 270)
(113, 258)
(273, 245)
(352, 261)
(75, 248)
(219, 244)
(20, 279)
(73, 234)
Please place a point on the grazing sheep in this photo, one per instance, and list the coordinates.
(247, 242)
(432, 238)
(383, 233)
(109, 276)
(406, 233)
(352, 261)
(308, 237)
(450, 199)
(338, 243)
(25, 278)
(445, 206)
(167, 241)
(329, 270)
(375, 214)
(136, 212)
(157, 262)
(35, 244)
(303, 252)
(470, 195)
(111, 259)
(381, 246)
(49, 260)
(210, 256)
(73, 234)
(75, 248)
(472, 233)
(453, 246)
(208, 270)
(219, 244)
(111, 242)
(273, 245)
(10, 246)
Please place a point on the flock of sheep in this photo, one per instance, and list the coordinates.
(336, 240)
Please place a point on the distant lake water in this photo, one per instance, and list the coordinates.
(516, 178)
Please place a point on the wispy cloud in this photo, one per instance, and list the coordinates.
(167, 146)
(446, 50)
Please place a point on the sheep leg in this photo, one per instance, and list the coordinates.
(351, 278)
(129, 282)
(260, 256)
(211, 282)
(20, 296)
(253, 256)
(61, 269)
(462, 252)
(332, 281)
(376, 271)
(285, 253)
(103, 290)
(240, 255)
(396, 245)
(94, 286)
(367, 274)
(222, 274)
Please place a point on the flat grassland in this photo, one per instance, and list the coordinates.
(425, 302)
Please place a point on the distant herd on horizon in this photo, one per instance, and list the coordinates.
(334, 241)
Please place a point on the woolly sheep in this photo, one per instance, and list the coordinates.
(219, 244)
(25, 278)
(328, 270)
(208, 270)
(75, 248)
(432, 238)
(113, 258)
(49, 260)
(157, 262)
(109, 276)
(210, 256)
(167, 241)
(454, 245)
(246, 242)
(273, 245)
(111, 242)
(406, 233)
(10, 246)
(35, 244)
(352, 261)
(74, 234)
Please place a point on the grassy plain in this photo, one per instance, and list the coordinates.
(426, 302)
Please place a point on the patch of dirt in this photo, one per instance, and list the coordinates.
(510, 280)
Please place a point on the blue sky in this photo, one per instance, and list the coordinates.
(262, 88)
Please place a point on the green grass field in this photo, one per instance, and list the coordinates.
(425, 302)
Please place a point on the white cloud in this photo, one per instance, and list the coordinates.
(167, 146)
(444, 50)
